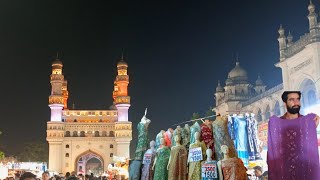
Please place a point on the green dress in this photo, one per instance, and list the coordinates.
(162, 155)
(142, 144)
(195, 167)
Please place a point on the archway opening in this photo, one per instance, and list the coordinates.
(88, 163)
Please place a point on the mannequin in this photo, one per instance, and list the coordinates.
(221, 137)
(195, 167)
(206, 134)
(147, 172)
(193, 129)
(177, 131)
(161, 162)
(186, 136)
(142, 137)
(158, 137)
(231, 168)
(211, 165)
(177, 165)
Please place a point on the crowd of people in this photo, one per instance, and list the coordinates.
(67, 176)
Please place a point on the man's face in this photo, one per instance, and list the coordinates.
(257, 173)
(293, 103)
(45, 176)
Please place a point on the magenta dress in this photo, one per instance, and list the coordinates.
(293, 149)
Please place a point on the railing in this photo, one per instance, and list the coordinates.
(264, 94)
(299, 45)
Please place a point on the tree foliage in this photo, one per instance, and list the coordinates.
(34, 152)
(195, 116)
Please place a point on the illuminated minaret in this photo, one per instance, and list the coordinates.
(120, 93)
(123, 127)
(65, 94)
(56, 99)
(55, 127)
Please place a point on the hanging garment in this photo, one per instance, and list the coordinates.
(178, 163)
(253, 149)
(185, 135)
(293, 149)
(207, 137)
(233, 169)
(221, 137)
(241, 138)
(195, 167)
(169, 136)
(148, 160)
(142, 141)
(135, 170)
(162, 155)
(158, 137)
(193, 129)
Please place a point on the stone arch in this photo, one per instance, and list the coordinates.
(104, 133)
(267, 113)
(111, 133)
(308, 90)
(88, 152)
(67, 134)
(96, 134)
(276, 108)
(75, 134)
(259, 115)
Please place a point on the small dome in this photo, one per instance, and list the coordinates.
(219, 88)
(238, 73)
(122, 63)
(259, 82)
(57, 62)
(229, 81)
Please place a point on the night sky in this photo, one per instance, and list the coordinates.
(176, 52)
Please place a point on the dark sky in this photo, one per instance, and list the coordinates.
(176, 51)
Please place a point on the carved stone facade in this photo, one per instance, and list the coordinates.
(300, 65)
(76, 137)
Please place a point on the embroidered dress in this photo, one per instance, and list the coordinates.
(147, 172)
(142, 141)
(162, 155)
(253, 139)
(221, 137)
(207, 136)
(178, 132)
(195, 167)
(233, 169)
(178, 163)
(293, 149)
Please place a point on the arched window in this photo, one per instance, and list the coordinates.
(67, 154)
(111, 134)
(75, 120)
(111, 154)
(267, 113)
(96, 134)
(277, 109)
(67, 146)
(111, 145)
(82, 134)
(75, 134)
(104, 133)
(67, 134)
(259, 116)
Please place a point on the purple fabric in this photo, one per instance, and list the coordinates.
(293, 149)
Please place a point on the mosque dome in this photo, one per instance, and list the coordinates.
(57, 62)
(238, 73)
(229, 81)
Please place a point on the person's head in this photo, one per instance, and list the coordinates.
(67, 174)
(45, 175)
(28, 176)
(291, 100)
(258, 171)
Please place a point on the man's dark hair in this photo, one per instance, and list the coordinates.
(259, 168)
(46, 172)
(28, 175)
(285, 94)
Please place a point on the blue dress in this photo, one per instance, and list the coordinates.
(193, 129)
(241, 138)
